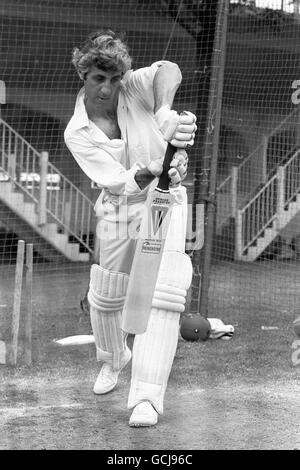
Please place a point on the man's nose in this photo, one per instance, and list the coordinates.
(106, 89)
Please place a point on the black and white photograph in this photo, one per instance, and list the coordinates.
(149, 228)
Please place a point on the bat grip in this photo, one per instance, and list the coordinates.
(164, 181)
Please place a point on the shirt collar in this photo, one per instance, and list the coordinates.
(80, 118)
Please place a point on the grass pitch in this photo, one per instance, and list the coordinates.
(237, 394)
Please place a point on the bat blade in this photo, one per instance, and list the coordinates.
(148, 254)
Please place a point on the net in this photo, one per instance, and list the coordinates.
(41, 87)
(257, 179)
(47, 200)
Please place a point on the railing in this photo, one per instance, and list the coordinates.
(256, 216)
(227, 199)
(56, 197)
(245, 169)
(268, 204)
(244, 179)
(291, 171)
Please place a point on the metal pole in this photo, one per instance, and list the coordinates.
(211, 154)
(43, 189)
(2, 94)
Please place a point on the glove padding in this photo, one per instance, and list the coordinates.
(178, 167)
(178, 129)
(178, 170)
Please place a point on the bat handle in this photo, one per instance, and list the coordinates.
(164, 181)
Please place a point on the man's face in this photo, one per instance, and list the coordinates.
(102, 87)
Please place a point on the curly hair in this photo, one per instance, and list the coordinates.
(103, 49)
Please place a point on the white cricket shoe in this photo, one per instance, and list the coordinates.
(143, 415)
(108, 377)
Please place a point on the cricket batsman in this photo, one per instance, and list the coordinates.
(121, 126)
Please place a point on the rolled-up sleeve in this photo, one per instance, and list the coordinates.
(140, 83)
(101, 163)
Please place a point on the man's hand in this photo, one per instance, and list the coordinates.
(178, 170)
(178, 129)
(178, 167)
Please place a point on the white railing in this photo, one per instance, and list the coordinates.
(227, 203)
(268, 204)
(291, 171)
(244, 179)
(57, 199)
(256, 216)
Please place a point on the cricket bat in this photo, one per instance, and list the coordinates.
(148, 253)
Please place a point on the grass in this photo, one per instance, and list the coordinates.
(252, 351)
(250, 379)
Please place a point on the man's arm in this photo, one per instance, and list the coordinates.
(97, 162)
(165, 84)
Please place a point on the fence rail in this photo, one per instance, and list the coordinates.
(268, 204)
(240, 184)
(55, 196)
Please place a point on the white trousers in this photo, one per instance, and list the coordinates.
(153, 352)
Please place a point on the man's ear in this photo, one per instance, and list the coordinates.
(82, 75)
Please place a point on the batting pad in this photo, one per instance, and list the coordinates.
(154, 350)
(152, 358)
(106, 297)
(107, 289)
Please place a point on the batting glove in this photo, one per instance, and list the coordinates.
(178, 167)
(178, 129)
(178, 170)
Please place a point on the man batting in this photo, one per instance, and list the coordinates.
(118, 134)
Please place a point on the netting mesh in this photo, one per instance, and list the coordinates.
(41, 84)
(258, 176)
(255, 243)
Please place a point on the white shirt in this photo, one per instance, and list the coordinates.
(112, 163)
